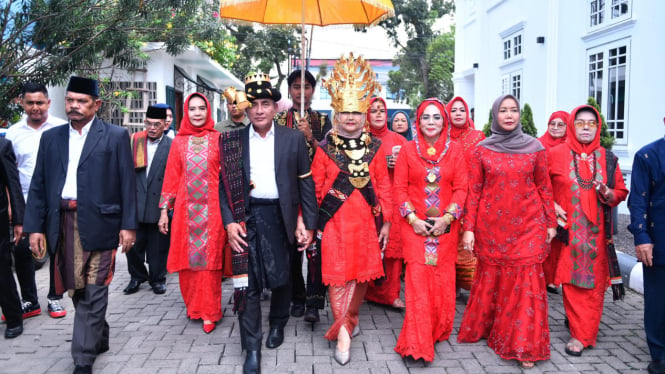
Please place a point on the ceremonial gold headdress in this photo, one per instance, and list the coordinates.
(258, 86)
(239, 98)
(351, 85)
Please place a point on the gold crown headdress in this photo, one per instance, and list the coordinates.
(257, 77)
(351, 85)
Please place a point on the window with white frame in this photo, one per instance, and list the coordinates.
(512, 84)
(608, 83)
(603, 12)
(512, 46)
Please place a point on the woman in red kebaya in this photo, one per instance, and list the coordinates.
(355, 200)
(585, 194)
(191, 189)
(509, 225)
(386, 290)
(555, 135)
(430, 189)
(463, 132)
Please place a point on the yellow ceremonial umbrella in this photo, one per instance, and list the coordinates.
(307, 12)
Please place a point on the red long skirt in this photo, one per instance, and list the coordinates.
(551, 262)
(584, 308)
(508, 307)
(202, 293)
(388, 290)
(430, 309)
(345, 304)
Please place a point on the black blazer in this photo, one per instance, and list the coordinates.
(10, 182)
(106, 186)
(295, 193)
(149, 189)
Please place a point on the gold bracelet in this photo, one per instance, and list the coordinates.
(411, 218)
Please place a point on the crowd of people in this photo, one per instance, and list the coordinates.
(371, 202)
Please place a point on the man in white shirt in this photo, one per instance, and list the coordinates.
(25, 136)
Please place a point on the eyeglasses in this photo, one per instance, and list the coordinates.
(152, 124)
(580, 123)
(556, 125)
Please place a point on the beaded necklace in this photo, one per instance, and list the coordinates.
(586, 184)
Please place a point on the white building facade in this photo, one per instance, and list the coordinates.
(555, 54)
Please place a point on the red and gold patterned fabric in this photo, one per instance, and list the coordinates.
(429, 188)
(191, 189)
(509, 210)
(350, 246)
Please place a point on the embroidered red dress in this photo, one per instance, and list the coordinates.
(387, 290)
(509, 210)
(425, 186)
(549, 142)
(583, 267)
(467, 137)
(191, 189)
(350, 252)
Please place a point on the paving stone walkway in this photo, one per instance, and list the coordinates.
(151, 334)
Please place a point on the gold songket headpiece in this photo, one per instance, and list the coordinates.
(351, 85)
(239, 98)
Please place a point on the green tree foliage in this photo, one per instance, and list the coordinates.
(263, 48)
(487, 129)
(426, 59)
(526, 119)
(606, 139)
(48, 40)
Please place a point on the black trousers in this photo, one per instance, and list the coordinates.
(91, 331)
(25, 271)
(314, 295)
(268, 267)
(9, 299)
(152, 247)
(654, 311)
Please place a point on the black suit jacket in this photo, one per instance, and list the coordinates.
(149, 188)
(295, 193)
(10, 182)
(106, 186)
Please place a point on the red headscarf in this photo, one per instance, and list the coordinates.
(384, 129)
(547, 140)
(459, 132)
(186, 127)
(588, 197)
(442, 144)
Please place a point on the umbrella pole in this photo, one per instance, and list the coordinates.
(302, 62)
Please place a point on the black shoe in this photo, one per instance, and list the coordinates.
(159, 288)
(13, 332)
(252, 363)
(312, 315)
(297, 310)
(275, 337)
(83, 369)
(132, 287)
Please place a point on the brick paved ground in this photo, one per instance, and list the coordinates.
(151, 334)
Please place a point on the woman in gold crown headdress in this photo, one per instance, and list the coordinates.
(353, 190)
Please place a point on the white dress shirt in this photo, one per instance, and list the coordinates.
(152, 148)
(76, 142)
(262, 164)
(25, 141)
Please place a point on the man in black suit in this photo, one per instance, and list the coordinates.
(260, 209)
(150, 149)
(10, 185)
(82, 202)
